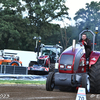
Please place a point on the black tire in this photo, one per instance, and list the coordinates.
(32, 63)
(86, 83)
(15, 62)
(52, 68)
(50, 82)
(67, 89)
(95, 77)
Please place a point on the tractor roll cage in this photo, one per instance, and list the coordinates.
(91, 33)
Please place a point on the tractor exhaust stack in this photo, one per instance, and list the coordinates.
(73, 45)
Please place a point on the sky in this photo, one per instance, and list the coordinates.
(74, 6)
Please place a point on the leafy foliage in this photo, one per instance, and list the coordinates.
(89, 18)
(17, 32)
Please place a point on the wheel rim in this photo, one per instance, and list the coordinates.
(14, 64)
(88, 84)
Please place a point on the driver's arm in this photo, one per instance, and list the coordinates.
(88, 43)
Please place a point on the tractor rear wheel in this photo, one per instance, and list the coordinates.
(94, 74)
(86, 82)
(50, 82)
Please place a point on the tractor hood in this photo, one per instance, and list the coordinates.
(77, 49)
(69, 59)
(43, 57)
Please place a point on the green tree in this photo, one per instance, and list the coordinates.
(12, 25)
(68, 34)
(41, 12)
(17, 32)
(89, 18)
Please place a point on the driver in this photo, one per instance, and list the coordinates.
(87, 44)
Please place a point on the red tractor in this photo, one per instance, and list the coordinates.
(73, 69)
(46, 62)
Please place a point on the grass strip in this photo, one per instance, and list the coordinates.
(22, 82)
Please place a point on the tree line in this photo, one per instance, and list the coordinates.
(17, 31)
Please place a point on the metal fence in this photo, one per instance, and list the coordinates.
(7, 69)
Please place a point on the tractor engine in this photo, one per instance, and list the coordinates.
(73, 61)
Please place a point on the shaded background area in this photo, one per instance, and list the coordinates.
(17, 29)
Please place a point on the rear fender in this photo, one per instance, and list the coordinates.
(94, 58)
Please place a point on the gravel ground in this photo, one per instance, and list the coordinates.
(37, 92)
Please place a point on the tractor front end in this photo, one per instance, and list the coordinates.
(41, 66)
(72, 68)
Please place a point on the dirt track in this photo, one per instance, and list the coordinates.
(33, 92)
